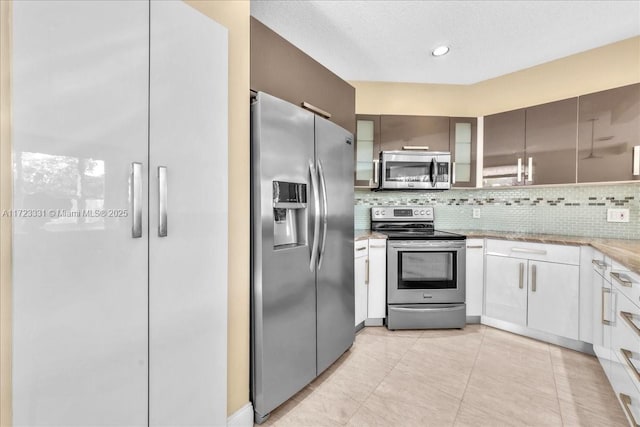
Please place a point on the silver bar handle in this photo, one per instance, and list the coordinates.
(376, 172)
(521, 282)
(325, 212)
(364, 248)
(316, 225)
(626, 404)
(530, 170)
(434, 172)
(627, 317)
(377, 246)
(366, 271)
(519, 177)
(136, 199)
(623, 280)
(599, 264)
(604, 321)
(529, 251)
(474, 246)
(162, 201)
(415, 147)
(534, 279)
(627, 355)
(316, 110)
(453, 173)
(636, 160)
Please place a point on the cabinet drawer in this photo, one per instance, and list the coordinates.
(537, 251)
(361, 248)
(625, 391)
(625, 337)
(626, 281)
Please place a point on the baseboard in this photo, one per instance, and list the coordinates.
(359, 327)
(243, 417)
(374, 322)
(580, 346)
(473, 320)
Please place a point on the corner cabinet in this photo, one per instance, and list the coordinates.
(124, 320)
(367, 151)
(609, 135)
(463, 146)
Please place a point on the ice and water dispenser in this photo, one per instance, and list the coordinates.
(289, 214)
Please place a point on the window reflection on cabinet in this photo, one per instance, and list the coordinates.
(367, 151)
(463, 151)
(608, 131)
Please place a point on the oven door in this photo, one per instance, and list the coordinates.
(407, 171)
(427, 271)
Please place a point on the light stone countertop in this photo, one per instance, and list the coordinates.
(367, 234)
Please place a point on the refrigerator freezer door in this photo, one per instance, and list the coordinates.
(283, 288)
(335, 292)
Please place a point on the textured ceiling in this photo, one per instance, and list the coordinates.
(392, 40)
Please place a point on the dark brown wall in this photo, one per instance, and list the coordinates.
(281, 69)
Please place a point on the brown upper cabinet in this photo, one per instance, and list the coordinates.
(504, 135)
(463, 145)
(281, 69)
(550, 142)
(608, 132)
(367, 151)
(414, 132)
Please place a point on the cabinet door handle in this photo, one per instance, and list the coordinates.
(162, 201)
(415, 147)
(376, 172)
(366, 271)
(519, 177)
(474, 246)
(316, 110)
(534, 280)
(626, 404)
(521, 284)
(529, 251)
(453, 173)
(361, 249)
(600, 264)
(627, 317)
(530, 170)
(623, 280)
(605, 322)
(626, 355)
(136, 199)
(636, 160)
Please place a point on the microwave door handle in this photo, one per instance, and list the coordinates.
(433, 175)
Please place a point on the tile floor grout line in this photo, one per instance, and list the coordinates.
(555, 384)
(475, 361)
(383, 378)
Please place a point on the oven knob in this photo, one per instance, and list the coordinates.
(376, 212)
(421, 212)
(416, 212)
(382, 213)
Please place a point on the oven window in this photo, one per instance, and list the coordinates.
(407, 171)
(427, 270)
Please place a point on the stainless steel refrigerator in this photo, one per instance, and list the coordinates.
(302, 301)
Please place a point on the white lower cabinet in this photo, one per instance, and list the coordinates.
(361, 279)
(474, 276)
(377, 291)
(506, 289)
(535, 286)
(554, 298)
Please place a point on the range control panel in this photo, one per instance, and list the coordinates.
(402, 213)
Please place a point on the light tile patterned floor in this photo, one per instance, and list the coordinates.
(479, 376)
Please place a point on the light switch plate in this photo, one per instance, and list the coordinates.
(476, 212)
(617, 215)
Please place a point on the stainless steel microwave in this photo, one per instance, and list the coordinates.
(415, 170)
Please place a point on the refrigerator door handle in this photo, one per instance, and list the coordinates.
(136, 199)
(162, 201)
(325, 212)
(316, 225)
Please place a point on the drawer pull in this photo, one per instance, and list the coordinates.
(599, 264)
(605, 291)
(521, 284)
(377, 246)
(362, 248)
(474, 246)
(623, 280)
(626, 355)
(626, 316)
(415, 147)
(530, 251)
(626, 404)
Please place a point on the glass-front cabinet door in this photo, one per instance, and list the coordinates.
(367, 151)
(463, 131)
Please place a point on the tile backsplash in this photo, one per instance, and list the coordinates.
(579, 210)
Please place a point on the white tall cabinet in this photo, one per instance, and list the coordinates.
(114, 322)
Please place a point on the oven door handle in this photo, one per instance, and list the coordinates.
(430, 245)
(407, 309)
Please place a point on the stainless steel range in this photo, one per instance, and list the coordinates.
(425, 269)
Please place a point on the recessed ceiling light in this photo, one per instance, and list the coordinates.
(440, 50)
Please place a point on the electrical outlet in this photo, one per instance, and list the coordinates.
(476, 212)
(617, 215)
